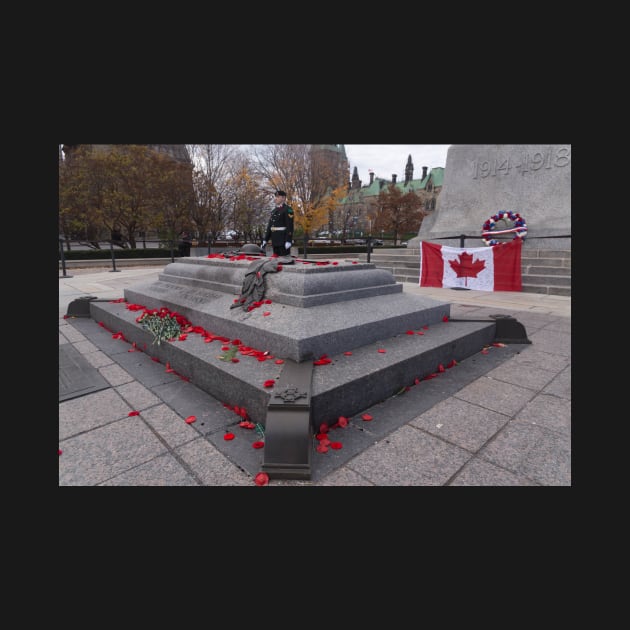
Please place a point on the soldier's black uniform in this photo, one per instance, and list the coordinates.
(280, 227)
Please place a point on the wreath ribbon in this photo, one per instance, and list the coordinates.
(519, 228)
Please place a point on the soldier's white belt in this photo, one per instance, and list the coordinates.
(278, 229)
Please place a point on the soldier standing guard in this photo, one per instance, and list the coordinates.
(280, 226)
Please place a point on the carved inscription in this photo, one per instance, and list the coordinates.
(185, 293)
(550, 157)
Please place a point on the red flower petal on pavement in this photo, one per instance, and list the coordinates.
(133, 413)
(343, 421)
(266, 313)
(367, 417)
(348, 354)
(453, 363)
(169, 369)
(419, 333)
(279, 361)
(224, 348)
(261, 479)
(321, 436)
(425, 327)
(321, 448)
(382, 350)
(269, 383)
(410, 332)
(60, 451)
(190, 419)
(445, 318)
(441, 368)
(155, 359)
(336, 445)
(235, 360)
(416, 381)
(279, 266)
(323, 428)
(183, 337)
(236, 342)
(484, 351)
(258, 444)
(101, 324)
(246, 424)
(228, 436)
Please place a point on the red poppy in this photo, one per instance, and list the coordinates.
(484, 351)
(60, 451)
(169, 369)
(133, 413)
(321, 436)
(155, 359)
(235, 360)
(258, 444)
(343, 421)
(425, 327)
(445, 318)
(419, 333)
(261, 479)
(279, 361)
(382, 350)
(269, 383)
(348, 354)
(228, 436)
(416, 381)
(453, 363)
(246, 424)
(323, 428)
(441, 368)
(336, 445)
(266, 313)
(321, 448)
(367, 417)
(236, 342)
(190, 419)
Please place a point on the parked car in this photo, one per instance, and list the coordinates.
(377, 242)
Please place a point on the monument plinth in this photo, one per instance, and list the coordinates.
(376, 339)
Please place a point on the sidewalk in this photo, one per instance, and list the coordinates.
(501, 418)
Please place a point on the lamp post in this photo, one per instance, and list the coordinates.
(63, 258)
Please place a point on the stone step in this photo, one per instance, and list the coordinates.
(345, 387)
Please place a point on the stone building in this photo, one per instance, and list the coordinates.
(361, 203)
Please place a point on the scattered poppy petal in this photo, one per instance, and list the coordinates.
(266, 313)
(382, 350)
(133, 413)
(261, 479)
(348, 354)
(410, 332)
(191, 419)
(336, 445)
(60, 451)
(367, 417)
(279, 361)
(321, 436)
(228, 436)
(343, 421)
(269, 383)
(441, 368)
(258, 444)
(445, 318)
(323, 428)
(419, 333)
(484, 351)
(321, 448)
(235, 360)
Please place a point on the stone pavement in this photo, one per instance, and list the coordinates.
(501, 417)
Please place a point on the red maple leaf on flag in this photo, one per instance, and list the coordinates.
(466, 268)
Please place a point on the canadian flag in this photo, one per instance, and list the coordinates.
(496, 268)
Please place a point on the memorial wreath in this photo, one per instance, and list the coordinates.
(519, 229)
